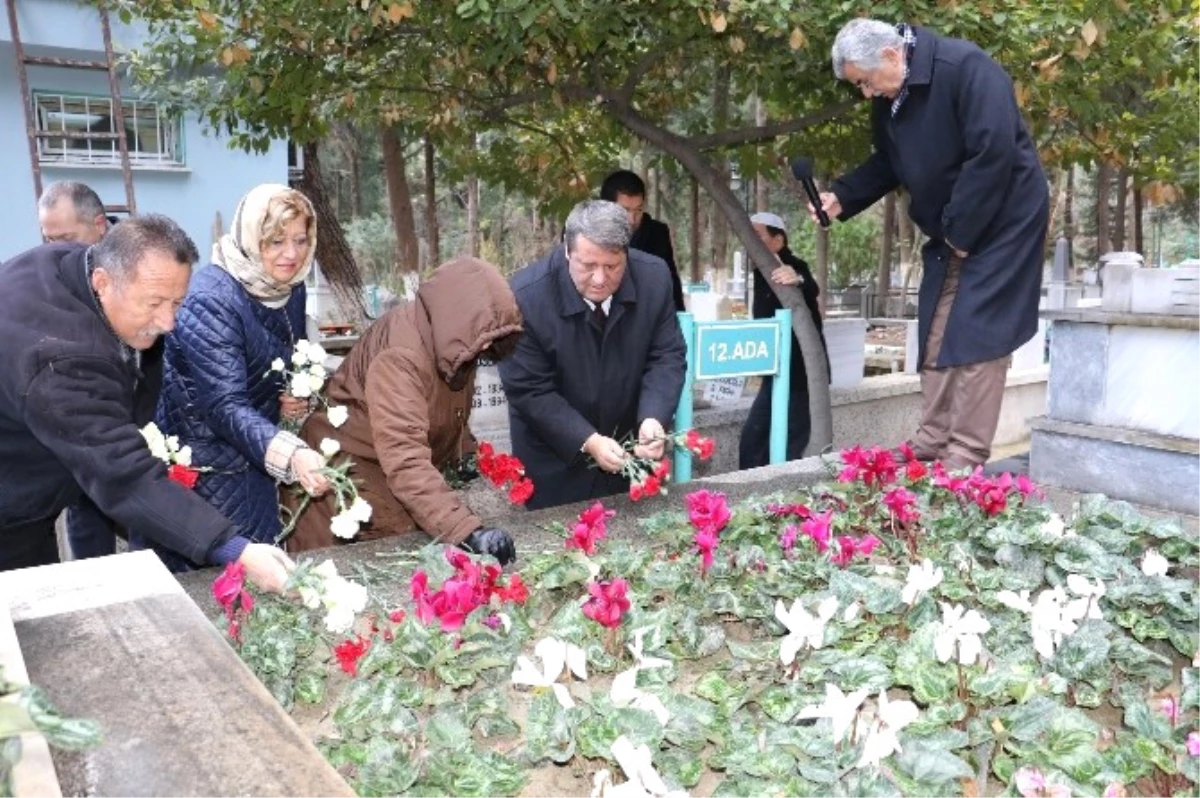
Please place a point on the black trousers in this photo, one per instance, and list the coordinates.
(90, 532)
(754, 447)
(28, 545)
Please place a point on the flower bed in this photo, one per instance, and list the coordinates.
(895, 630)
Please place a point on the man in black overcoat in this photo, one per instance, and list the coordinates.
(649, 234)
(946, 126)
(601, 359)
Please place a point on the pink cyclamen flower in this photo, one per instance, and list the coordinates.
(608, 602)
(708, 510)
(590, 529)
(1031, 783)
(1193, 743)
(901, 502)
(1169, 707)
(817, 527)
(848, 547)
(787, 540)
(706, 543)
(1115, 789)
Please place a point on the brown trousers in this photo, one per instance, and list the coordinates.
(960, 405)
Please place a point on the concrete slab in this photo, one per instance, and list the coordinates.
(117, 640)
(34, 773)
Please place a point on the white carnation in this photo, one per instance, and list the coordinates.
(330, 447)
(301, 388)
(339, 619)
(277, 364)
(360, 510)
(156, 442)
(299, 358)
(343, 526)
(316, 353)
(315, 382)
(184, 456)
(338, 415)
(317, 370)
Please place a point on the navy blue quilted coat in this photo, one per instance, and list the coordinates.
(218, 397)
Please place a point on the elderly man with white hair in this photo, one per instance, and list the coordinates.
(946, 127)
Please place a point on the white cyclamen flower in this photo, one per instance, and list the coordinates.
(625, 692)
(330, 447)
(803, 629)
(278, 365)
(961, 628)
(1015, 601)
(1088, 603)
(644, 781)
(921, 579)
(337, 415)
(840, 708)
(1050, 621)
(1153, 563)
(891, 717)
(343, 526)
(184, 456)
(1055, 528)
(556, 655)
(851, 612)
(360, 510)
(156, 442)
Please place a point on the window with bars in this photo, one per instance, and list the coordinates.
(152, 134)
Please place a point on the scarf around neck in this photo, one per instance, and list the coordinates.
(239, 251)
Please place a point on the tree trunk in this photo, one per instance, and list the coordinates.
(694, 233)
(1103, 215)
(720, 119)
(762, 194)
(432, 231)
(884, 278)
(1118, 235)
(1139, 236)
(473, 215)
(1069, 206)
(400, 200)
(333, 253)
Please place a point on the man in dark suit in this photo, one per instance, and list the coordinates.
(945, 125)
(649, 235)
(601, 359)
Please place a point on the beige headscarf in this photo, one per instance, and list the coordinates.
(239, 251)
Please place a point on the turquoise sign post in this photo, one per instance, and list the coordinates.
(721, 349)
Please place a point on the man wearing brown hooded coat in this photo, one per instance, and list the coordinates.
(408, 385)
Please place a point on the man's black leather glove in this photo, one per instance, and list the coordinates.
(495, 542)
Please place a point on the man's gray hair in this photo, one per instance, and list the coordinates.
(861, 42)
(606, 224)
(86, 202)
(120, 252)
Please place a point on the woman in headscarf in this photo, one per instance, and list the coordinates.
(220, 395)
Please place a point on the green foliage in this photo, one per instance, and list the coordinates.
(28, 709)
(432, 711)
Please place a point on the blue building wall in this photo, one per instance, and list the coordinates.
(212, 180)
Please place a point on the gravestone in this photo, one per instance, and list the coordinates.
(115, 639)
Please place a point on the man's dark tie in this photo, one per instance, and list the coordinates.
(599, 318)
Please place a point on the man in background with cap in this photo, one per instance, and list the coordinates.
(754, 446)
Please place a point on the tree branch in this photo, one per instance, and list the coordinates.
(639, 70)
(755, 133)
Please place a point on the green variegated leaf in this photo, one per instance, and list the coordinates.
(927, 762)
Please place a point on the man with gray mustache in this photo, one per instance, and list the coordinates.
(75, 322)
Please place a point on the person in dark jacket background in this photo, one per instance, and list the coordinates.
(649, 235)
(220, 394)
(601, 359)
(754, 447)
(946, 126)
(75, 321)
(71, 211)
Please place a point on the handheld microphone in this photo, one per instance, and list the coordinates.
(802, 170)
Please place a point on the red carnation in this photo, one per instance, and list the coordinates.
(183, 475)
